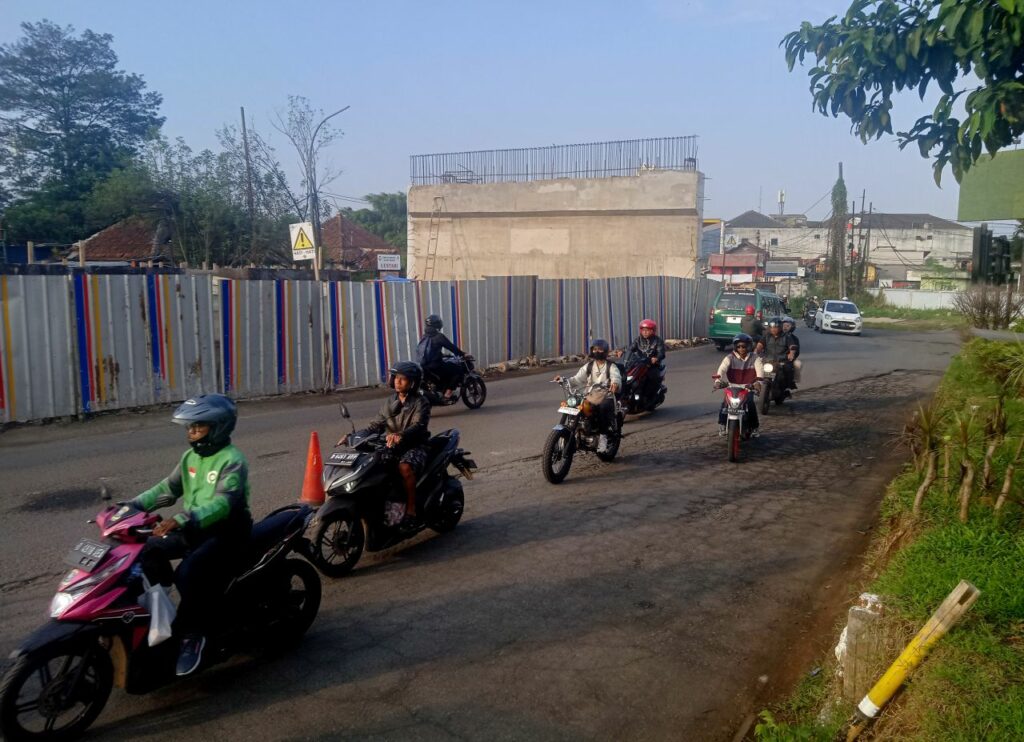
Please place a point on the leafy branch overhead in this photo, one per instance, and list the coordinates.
(971, 49)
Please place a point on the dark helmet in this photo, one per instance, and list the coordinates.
(409, 370)
(215, 410)
(774, 322)
(599, 349)
(742, 337)
(434, 322)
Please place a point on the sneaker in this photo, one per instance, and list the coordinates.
(409, 524)
(602, 444)
(721, 431)
(755, 433)
(190, 656)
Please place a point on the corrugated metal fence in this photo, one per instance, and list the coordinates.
(83, 342)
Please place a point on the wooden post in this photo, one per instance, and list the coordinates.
(865, 647)
(81, 252)
(31, 252)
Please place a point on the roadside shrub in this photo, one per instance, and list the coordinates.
(990, 307)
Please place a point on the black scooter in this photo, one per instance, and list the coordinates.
(634, 375)
(361, 483)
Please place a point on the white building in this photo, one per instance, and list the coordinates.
(895, 243)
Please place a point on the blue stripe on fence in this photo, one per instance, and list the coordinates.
(154, 324)
(279, 326)
(83, 350)
(381, 336)
(225, 329)
(335, 329)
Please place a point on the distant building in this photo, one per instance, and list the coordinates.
(349, 246)
(898, 242)
(744, 263)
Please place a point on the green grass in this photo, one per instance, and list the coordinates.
(972, 685)
(916, 314)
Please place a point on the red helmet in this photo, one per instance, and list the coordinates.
(750, 309)
(649, 324)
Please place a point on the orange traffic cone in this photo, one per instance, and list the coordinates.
(312, 484)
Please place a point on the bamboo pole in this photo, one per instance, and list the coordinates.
(929, 479)
(1008, 478)
(952, 609)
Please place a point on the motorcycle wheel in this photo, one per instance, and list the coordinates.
(62, 687)
(299, 592)
(474, 392)
(557, 457)
(732, 437)
(338, 543)
(451, 516)
(766, 398)
(613, 449)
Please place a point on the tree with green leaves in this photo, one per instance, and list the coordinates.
(387, 218)
(837, 237)
(68, 117)
(973, 50)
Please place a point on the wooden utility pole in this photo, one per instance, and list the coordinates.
(248, 183)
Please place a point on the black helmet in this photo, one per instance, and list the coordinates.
(774, 322)
(409, 370)
(742, 337)
(600, 346)
(215, 410)
(434, 322)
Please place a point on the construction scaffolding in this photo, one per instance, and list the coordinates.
(594, 160)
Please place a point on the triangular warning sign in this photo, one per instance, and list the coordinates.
(302, 242)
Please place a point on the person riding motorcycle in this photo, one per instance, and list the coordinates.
(778, 347)
(405, 417)
(604, 378)
(741, 366)
(211, 534)
(789, 329)
(431, 357)
(812, 303)
(750, 325)
(650, 348)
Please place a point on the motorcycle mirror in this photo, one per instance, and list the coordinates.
(343, 409)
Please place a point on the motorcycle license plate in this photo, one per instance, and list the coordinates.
(569, 410)
(342, 459)
(87, 554)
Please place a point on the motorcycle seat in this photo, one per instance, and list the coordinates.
(271, 529)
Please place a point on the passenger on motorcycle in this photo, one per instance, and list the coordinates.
(430, 352)
(741, 366)
(604, 378)
(779, 347)
(405, 418)
(789, 329)
(211, 533)
(651, 348)
(751, 325)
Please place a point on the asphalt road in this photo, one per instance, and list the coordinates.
(639, 600)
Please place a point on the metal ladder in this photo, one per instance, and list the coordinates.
(430, 259)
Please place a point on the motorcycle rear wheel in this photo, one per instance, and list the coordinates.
(732, 437)
(766, 397)
(338, 543)
(556, 459)
(474, 393)
(63, 684)
(300, 592)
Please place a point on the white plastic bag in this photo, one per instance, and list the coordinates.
(161, 612)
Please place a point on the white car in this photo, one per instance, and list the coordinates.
(838, 316)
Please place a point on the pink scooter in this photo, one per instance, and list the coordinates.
(97, 637)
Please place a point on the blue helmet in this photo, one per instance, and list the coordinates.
(215, 410)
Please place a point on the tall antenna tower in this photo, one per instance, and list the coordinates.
(782, 202)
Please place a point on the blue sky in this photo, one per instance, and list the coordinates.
(446, 76)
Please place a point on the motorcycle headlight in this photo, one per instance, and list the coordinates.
(60, 603)
(573, 401)
(71, 593)
(734, 401)
(768, 368)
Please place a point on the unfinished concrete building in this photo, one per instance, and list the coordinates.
(629, 208)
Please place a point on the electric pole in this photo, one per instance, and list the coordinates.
(248, 184)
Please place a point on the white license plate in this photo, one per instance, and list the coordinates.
(569, 410)
(733, 320)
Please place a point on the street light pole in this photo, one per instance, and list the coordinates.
(314, 192)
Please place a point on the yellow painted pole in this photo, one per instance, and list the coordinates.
(953, 607)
